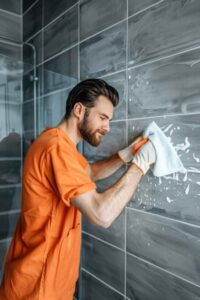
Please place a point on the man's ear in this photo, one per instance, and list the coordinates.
(79, 110)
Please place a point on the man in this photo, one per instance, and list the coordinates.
(58, 186)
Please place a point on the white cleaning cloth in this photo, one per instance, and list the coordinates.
(167, 160)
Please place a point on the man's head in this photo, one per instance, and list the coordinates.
(91, 102)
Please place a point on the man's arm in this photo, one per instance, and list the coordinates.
(104, 168)
(103, 208)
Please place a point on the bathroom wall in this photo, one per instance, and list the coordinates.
(150, 51)
(10, 121)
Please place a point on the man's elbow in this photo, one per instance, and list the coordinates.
(100, 219)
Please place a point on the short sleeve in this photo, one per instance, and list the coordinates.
(67, 176)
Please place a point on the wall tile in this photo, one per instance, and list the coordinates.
(61, 72)
(27, 4)
(10, 171)
(11, 5)
(32, 20)
(4, 245)
(166, 87)
(176, 195)
(53, 8)
(8, 223)
(104, 53)
(62, 33)
(10, 26)
(147, 282)
(52, 109)
(28, 138)
(115, 234)
(9, 119)
(28, 115)
(94, 289)
(135, 6)
(171, 245)
(10, 146)
(164, 29)
(97, 15)
(111, 143)
(34, 46)
(109, 267)
(10, 198)
(118, 81)
(8, 50)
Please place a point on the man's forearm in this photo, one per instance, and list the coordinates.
(104, 168)
(111, 202)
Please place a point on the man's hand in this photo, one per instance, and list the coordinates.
(127, 153)
(144, 157)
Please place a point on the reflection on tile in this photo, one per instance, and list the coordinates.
(10, 198)
(10, 146)
(166, 243)
(118, 81)
(137, 5)
(109, 268)
(104, 53)
(8, 223)
(176, 195)
(168, 86)
(4, 245)
(10, 171)
(61, 34)
(52, 109)
(147, 282)
(94, 289)
(164, 29)
(10, 119)
(8, 50)
(10, 80)
(62, 71)
(34, 46)
(10, 26)
(115, 234)
(96, 15)
(28, 115)
(11, 5)
(32, 20)
(111, 143)
(53, 8)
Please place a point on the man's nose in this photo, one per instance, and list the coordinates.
(106, 128)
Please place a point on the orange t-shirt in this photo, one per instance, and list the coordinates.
(44, 256)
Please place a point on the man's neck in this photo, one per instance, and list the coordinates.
(70, 128)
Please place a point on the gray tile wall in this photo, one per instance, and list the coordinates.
(150, 51)
(10, 121)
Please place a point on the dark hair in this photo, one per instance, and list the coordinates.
(87, 92)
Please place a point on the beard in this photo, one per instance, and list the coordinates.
(87, 133)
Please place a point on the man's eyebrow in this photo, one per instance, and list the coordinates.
(107, 117)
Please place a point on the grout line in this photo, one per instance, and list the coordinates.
(103, 282)
(10, 158)
(103, 30)
(164, 270)
(164, 217)
(10, 13)
(145, 9)
(59, 16)
(29, 8)
(10, 186)
(10, 212)
(126, 87)
(5, 240)
(32, 36)
(59, 53)
(100, 240)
